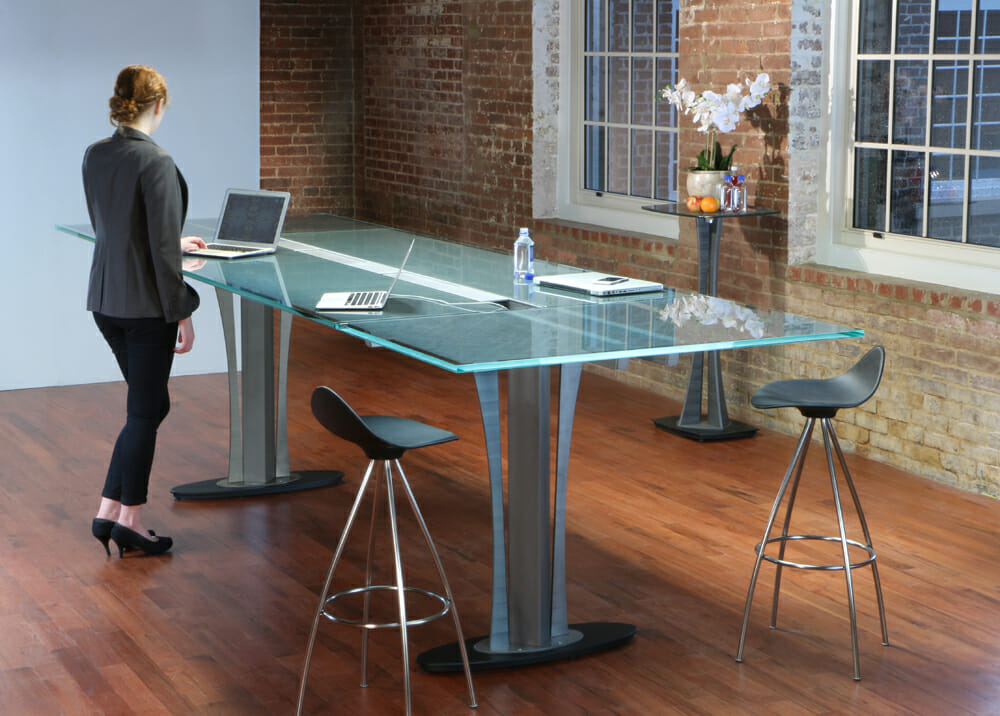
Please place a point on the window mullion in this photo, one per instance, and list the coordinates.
(967, 169)
(629, 65)
(890, 120)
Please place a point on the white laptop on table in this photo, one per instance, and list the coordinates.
(598, 284)
(249, 225)
(368, 300)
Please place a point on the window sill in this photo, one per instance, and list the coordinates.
(967, 268)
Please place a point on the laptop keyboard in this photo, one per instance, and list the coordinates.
(227, 247)
(362, 298)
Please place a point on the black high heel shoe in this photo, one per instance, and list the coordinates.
(101, 529)
(126, 539)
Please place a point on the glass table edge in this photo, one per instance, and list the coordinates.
(595, 357)
(66, 229)
(680, 210)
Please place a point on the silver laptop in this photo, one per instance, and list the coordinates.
(361, 300)
(598, 284)
(249, 225)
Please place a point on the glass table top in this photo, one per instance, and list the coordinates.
(458, 307)
(677, 208)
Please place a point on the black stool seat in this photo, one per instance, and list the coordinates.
(382, 437)
(819, 400)
(824, 397)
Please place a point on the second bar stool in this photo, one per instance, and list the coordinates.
(820, 400)
(384, 439)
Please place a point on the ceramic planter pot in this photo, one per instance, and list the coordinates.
(702, 182)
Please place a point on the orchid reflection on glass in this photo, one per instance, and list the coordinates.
(716, 113)
(710, 310)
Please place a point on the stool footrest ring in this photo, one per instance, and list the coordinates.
(823, 538)
(446, 607)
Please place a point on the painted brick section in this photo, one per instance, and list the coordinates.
(937, 412)
(307, 103)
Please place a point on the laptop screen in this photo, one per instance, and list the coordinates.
(251, 217)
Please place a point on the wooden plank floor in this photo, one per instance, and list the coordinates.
(660, 533)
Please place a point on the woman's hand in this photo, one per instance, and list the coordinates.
(185, 335)
(189, 243)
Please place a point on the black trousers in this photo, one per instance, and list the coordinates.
(144, 349)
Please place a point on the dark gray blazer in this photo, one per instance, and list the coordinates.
(137, 200)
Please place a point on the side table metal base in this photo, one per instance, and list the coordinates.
(597, 636)
(224, 489)
(704, 432)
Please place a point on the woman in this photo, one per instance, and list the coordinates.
(137, 200)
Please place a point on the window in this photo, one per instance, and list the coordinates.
(909, 161)
(621, 148)
(926, 159)
(629, 138)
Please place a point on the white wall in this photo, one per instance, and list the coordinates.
(58, 63)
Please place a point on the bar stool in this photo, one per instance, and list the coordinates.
(820, 400)
(384, 439)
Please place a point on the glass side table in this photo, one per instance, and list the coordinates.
(692, 423)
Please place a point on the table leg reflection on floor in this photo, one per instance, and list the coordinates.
(529, 616)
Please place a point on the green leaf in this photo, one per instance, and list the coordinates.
(722, 161)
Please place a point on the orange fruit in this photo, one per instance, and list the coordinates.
(709, 204)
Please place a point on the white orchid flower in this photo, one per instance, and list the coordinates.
(760, 87)
(725, 118)
(734, 93)
(715, 113)
(748, 103)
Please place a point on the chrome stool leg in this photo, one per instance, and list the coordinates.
(390, 498)
(827, 438)
(444, 582)
(798, 461)
(329, 580)
(867, 534)
(369, 565)
(799, 450)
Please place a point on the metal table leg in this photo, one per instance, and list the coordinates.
(258, 425)
(529, 617)
(716, 423)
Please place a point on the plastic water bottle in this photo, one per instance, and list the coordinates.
(524, 257)
(728, 188)
(740, 194)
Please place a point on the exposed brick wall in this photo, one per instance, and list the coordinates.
(419, 115)
(307, 103)
(445, 106)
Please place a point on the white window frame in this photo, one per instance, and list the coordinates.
(963, 266)
(573, 203)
